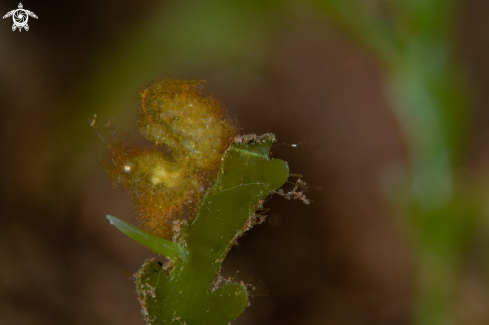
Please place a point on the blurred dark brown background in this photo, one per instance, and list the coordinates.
(344, 259)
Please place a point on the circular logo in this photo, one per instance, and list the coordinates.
(20, 18)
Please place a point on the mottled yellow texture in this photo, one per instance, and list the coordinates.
(190, 134)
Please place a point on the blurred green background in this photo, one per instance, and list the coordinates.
(386, 98)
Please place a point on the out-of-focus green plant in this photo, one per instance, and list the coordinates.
(414, 42)
(195, 200)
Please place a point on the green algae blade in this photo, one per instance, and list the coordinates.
(186, 292)
(159, 245)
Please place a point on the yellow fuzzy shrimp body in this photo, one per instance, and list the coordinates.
(190, 133)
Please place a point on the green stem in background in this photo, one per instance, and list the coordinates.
(413, 40)
(189, 289)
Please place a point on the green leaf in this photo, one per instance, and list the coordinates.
(155, 243)
(186, 293)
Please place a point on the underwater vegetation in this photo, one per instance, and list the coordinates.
(195, 191)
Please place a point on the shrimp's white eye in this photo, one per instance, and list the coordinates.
(128, 167)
